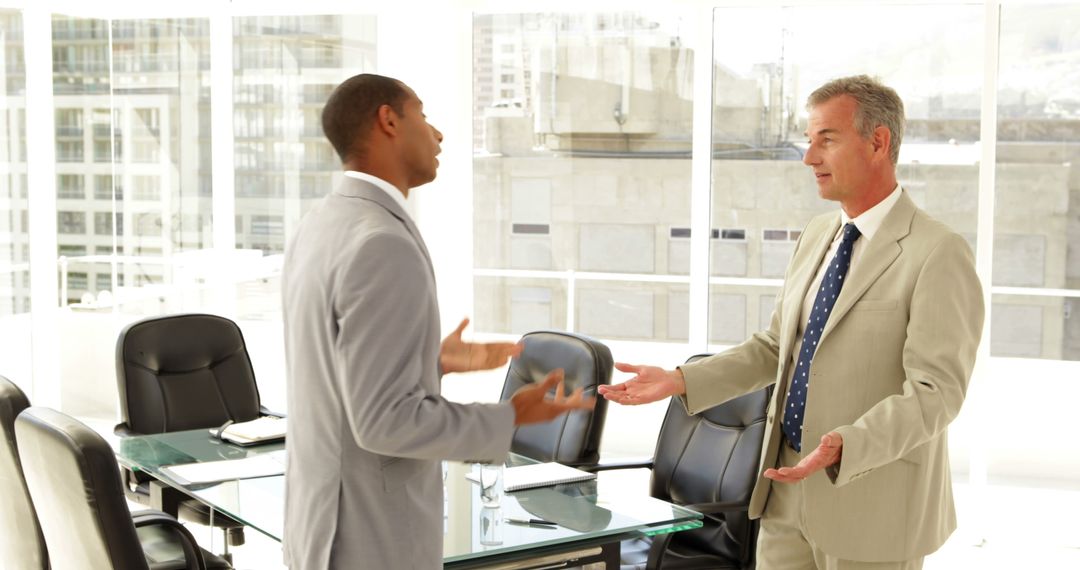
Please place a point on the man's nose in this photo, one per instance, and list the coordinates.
(811, 157)
(438, 134)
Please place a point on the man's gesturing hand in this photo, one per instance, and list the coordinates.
(456, 355)
(531, 404)
(825, 455)
(652, 383)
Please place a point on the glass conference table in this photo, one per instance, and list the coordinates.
(590, 521)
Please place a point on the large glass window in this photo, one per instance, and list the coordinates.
(768, 61)
(14, 231)
(285, 68)
(130, 99)
(1037, 198)
(582, 164)
(582, 150)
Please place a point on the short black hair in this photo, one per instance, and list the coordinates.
(353, 106)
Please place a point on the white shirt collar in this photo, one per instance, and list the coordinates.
(869, 222)
(382, 185)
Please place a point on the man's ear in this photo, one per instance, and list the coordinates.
(386, 120)
(881, 140)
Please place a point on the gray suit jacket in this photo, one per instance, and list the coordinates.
(890, 372)
(367, 425)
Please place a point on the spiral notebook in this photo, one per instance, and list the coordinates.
(539, 475)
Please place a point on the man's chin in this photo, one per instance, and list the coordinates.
(422, 181)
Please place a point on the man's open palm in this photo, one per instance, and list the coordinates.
(821, 457)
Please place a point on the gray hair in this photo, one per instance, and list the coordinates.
(878, 105)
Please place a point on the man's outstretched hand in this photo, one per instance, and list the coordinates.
(456, 355)
(826, 454)
(650, 384)
(532, 405)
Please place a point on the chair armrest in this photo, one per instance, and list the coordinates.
(659, 546)
(720, 507)
(192, 553)
(268, 412)
(616, 465)
(124, 430)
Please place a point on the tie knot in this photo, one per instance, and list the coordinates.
(851, 233)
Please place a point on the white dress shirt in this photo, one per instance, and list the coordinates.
(868, 224)
(384, 186)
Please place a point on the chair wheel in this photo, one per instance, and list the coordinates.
(235, 536)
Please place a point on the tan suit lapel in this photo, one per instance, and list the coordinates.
(876, 258)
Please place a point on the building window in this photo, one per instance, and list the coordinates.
(103, 282)
(732, 234)
(145, 151)
(71, 222)
(77, 281)
(684, 233)
(69, 123)
(69, 151)
(70, 186)
(148, 224)
(71, 250)
(530, 229)
(267, 225)
(103, 188)
(779, 235)
(103, 151)
(146, 188)
(103, 222)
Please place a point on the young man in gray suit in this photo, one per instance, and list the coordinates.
(871, 348)
(367, 424)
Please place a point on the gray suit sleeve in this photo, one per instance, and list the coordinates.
(384, 306)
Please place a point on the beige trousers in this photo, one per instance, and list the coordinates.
(783, 543)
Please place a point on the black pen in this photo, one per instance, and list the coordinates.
(530, 521)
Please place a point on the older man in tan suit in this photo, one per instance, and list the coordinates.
(871, 347)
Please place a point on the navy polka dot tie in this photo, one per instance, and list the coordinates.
(819, 315)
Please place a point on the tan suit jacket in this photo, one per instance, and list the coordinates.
(890, 373)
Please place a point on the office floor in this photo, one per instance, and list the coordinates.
(1023, 527)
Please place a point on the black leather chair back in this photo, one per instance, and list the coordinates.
(73, 478)
(179, 372)
(712, 457)
(21, 542)
(573, 438)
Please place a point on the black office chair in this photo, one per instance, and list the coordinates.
(709, 463)
(21, 543)
(574, 438)
(74, 486)
(180, 372)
